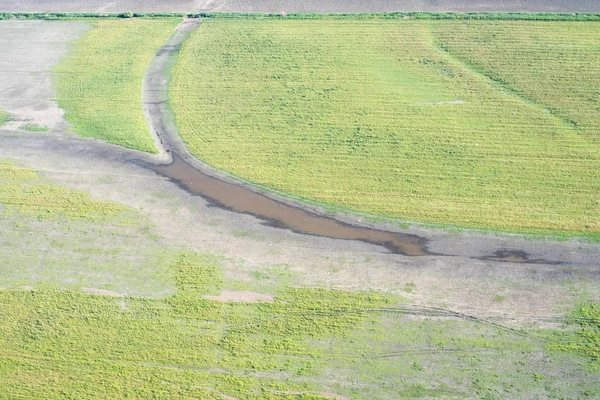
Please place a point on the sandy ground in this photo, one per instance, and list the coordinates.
(461, 282)
(295, 6)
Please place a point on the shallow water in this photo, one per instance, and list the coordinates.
(240, 199)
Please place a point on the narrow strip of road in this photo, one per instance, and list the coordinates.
(296, 6)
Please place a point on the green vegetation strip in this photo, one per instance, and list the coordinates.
(100, 81)
(21, 192)
(450, 122)
(30, 127)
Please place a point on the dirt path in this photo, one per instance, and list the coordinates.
(295, 6)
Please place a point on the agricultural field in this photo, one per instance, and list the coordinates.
(304, 6)
(390, 118)
(70, 330)
(99, 83)
(122, 275)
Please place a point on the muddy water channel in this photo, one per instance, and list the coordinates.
(240, 199)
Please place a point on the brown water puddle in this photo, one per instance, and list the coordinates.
(240, 199)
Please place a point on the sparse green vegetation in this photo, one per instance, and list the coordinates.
(309, 342)
(66, 238)
(21, 192)
(100, 81)
(586, 339)
(375, 116)
(31, 127)
(4, 117)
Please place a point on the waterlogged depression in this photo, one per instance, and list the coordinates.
(240, 199)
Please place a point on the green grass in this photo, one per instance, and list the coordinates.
(388, 117)
(586, 339)
(100, 80)
(22, 192)
(4, 117)
(66, 344)
(30, 127)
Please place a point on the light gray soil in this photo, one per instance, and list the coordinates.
(300, 6)
(28, 52)
(462, 282)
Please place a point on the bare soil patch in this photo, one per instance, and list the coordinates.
(242, 296)
(102, 292)
(30, 49)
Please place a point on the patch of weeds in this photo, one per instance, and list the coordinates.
(498, 299)
(410, 287)
(585, 340)
(32, 127)
(4, 117)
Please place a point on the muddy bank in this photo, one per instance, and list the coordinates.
(294, 6)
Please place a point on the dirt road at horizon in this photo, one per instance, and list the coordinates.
(305, 6)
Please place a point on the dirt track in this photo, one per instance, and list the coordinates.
(298, 6)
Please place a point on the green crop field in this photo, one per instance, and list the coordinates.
(306, 344)
(469, 123)
(100, 81)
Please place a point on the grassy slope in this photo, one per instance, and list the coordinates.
(100, 81)
(363, 115)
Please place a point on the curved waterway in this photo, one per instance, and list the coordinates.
(240, 199)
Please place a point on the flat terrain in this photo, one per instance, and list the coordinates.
(403, 118)
(118, 282)
(274, 6)
(26, 92)
(100, 81)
